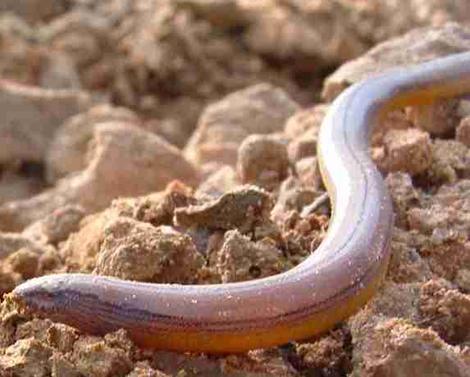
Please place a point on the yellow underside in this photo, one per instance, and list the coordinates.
(242, 341)
(428, 95)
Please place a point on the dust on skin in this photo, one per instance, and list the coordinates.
(229, 211)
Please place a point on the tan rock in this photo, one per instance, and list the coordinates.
(61, 337)
(305, 121)
(450, 161)
(262, 160)
(302, 129)
(392, 301)
(322, 32)
(395, 348)
(81, 34)
(8, 281)
(82, 247)
(143, 369)
(455, 194)
(20, 182)
(30, 116)
(12, 242)
(257, 363)
(219, 182)
(404, 195)
(427, 220)
(67, 151)
(173, 363)
(463, 132)
(445, 310)
(34, 10)
(57, 226)
(438, 119)
(225, 14)
(123, 161)
(61, 366)
(445, 216)
(31, 260)
(327, 354)
(303, 146)
(446, 258)
(178, 53)
(326, 33)
(293, 195)
(308, 172)
(57, 71)
(137, 251)
(242, 208)
(168, 128)
(24, 262)
(239, 259)
(94, 357)
(414, 47)
(157, 208)
(35, 328)
(406, 151)
(19, 58)
(407, 265)
(259, 109)
(462, 279)
(393, 120)
(27, 357)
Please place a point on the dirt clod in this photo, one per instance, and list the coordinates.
(241, 208)
(137, 251)
(261, 109)
(262, 160)
(463, 132)
(27, 357)
(240, 259)
(406, 151)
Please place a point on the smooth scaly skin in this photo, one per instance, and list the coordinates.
(331, 284)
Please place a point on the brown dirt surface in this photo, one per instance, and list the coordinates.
(174, 141)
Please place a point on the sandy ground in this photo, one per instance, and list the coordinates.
(175, 142)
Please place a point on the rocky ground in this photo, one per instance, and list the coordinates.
(138, 134)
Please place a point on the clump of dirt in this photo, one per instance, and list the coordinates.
(263, 161)
(175, 142)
